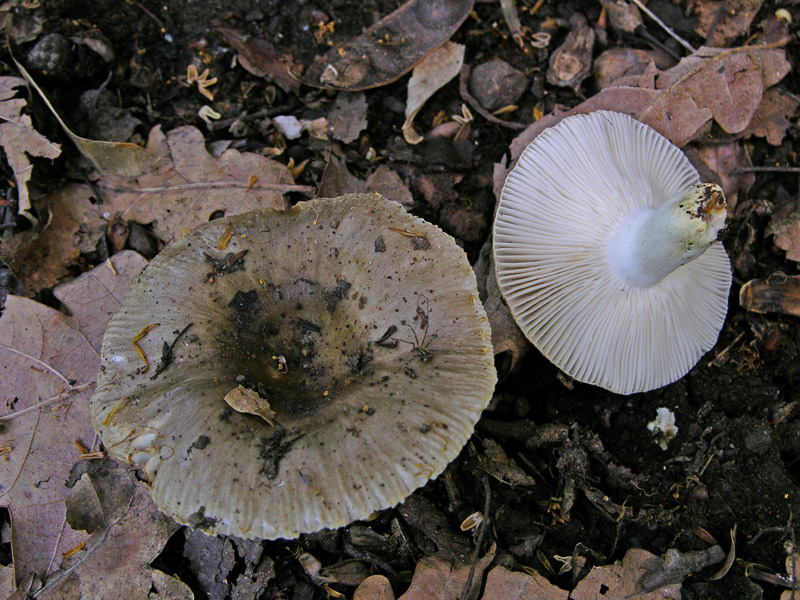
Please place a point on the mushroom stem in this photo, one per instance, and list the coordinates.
(651, 243)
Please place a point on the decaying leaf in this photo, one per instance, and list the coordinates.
(337, 180)
(390, 48)
(47, 371)
(731, 20)
(773, 116)
(626, 578)
(19, 140)
(724, 160)
(785, 226)
(120, 158)
(684, 99)
(375, 587)
(261, 58)
(347, 117)
(502, 584)
(248, 401)
(95, 295)
(444, 578)
(571, 63)
(189, 187)
(432, 72)
(779, 293)
(128, 532)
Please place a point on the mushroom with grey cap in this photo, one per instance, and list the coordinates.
(605, 250)
(322, 365)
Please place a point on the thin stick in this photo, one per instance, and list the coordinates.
(664, 26)
(738, 170)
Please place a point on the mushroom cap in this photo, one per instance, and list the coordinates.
(357, 325)
(570, 190)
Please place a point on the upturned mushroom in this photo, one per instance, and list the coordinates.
(277, 373)
(605, 246)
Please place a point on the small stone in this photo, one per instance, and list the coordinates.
(50, 55)
(496, 84)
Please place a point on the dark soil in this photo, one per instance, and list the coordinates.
(601, 483)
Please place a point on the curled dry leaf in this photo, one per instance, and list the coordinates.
(248, 401)
(390, 48)
(20, 140)
(433, 72)
(119, 158)
(47, 371)
(779, 293)
(127, 535)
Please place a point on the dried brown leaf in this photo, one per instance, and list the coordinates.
(184, 192)
(724, 159)
(19, 140)
(47, 371)
(502, 584)
(115, 560)
(785, 226)
(347, 117)
(439, 577)
(261, 58)
(725, 85)
(375, 587)
(779, 293)
(390, 48)
(731, 20)
(622, 579)
(773, 116)
(337, 180)
(93, 297)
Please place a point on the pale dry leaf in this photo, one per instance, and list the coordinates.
(115, 560)
(502, 584)
(248, 401)
(375, 587)
(93, 297)
(433, 72)
(622, 579)
(440, 577)
(47, 372)
(20, 140)
(120, 158)
(347, 117)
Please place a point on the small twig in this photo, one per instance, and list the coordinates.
(61, 396)
(665, 27)
(482, 531)
(740, 170)
(276, 187)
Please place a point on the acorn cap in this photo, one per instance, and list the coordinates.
(353, 327)
(575, 218)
